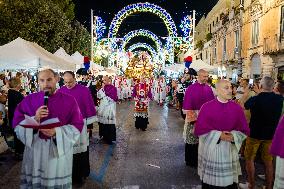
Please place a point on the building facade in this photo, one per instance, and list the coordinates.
(246, 37)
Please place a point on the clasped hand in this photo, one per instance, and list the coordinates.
(227, 136)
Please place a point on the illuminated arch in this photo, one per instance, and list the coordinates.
(141, 32)
(145, 46)
(142, 7)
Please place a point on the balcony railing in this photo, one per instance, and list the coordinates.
(273, 44)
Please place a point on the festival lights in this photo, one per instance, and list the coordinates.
(186, 26)
(100, 27)
(141, 32)
(142, 7)
(145, 46)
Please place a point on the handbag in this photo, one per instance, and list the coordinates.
(3, 144)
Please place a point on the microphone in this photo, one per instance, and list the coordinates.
(46, 95)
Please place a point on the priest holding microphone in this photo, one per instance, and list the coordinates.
(48, 133)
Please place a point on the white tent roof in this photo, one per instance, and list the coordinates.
(96, 66)
(22, 54)
(78, 57)
(61, 53)
(176, 67)
(199, 64)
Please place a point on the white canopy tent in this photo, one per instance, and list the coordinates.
(80, 58)
(175, 68)
(61, 53)
(22, 54)
(199, 64)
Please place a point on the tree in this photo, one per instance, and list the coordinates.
(40, 21)
(46, 22)
(80, 39)
(67, 6)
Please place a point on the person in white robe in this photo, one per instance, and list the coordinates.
(221, 127)
(48, 129)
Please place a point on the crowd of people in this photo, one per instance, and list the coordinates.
(51, 117)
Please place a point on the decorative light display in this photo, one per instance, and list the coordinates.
(186, 26)
(100, 27)
(142, 7)
(139, 65)
(145, 46)
(142, 32)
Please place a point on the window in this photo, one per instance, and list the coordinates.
(237, 38)
(224, 45)
(215, 54)
(255, 33)
(282, 24)
(217, 20)
(213, 23)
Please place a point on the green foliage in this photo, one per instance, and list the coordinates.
(46, 22)
(208, 36)
(199, 44)
(67, 6)
(80, 39)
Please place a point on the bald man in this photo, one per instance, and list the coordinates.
(47, 161)
(81, 163)
(195, 96)
(221, 127)
(107, 111)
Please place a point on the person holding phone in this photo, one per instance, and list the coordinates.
(266, 109)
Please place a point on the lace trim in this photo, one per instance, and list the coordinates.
(144, 115)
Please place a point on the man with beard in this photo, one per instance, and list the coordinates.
(49, 129)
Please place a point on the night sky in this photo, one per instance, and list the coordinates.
(108, 8)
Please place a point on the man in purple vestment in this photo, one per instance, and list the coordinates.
(277, 149)
(47, 161)
(81, 163)
(107, 111)
(221, 127)
(195, 96)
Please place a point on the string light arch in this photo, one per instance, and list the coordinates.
(144, 33)
(138, 8)
(145, 46)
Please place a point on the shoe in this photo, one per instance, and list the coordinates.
(244, 185)
(143, 129)
(3, 159)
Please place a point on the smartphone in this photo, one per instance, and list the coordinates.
(250, 83)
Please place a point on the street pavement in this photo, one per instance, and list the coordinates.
(152, 159)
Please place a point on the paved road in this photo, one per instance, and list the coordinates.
(153, 159)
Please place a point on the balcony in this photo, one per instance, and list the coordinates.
(273, 45)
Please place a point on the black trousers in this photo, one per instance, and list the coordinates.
(108, 132)
(207, 186)
(141, 123)
(81, 167)
(191, 155)
(18, 145)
